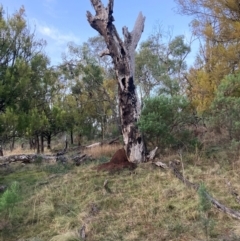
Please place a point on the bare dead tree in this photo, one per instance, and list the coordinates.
(122, 53)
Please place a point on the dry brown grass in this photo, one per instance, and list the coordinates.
(18, 151)
(104, 150)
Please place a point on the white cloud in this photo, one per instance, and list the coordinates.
(55, 35)
(57, 40)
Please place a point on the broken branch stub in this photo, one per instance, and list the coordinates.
(123, 55)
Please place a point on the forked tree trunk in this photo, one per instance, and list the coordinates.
(122, 53)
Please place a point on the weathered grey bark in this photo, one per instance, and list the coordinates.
(122, 53)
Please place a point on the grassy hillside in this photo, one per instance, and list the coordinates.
(54, 201)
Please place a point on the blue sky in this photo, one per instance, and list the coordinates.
(62, 21)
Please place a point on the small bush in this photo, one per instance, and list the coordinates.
(225, 107)
(204, 208)
(164, 121)
(9, 198)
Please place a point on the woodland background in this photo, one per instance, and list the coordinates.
(189, 112)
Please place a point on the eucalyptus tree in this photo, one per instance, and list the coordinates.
(27, 82)
(18, 48)
(18, 53)
(161, 64)
(89, 87)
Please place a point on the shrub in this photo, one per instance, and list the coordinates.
(9, 198)
(164, 121)
(204, 208)
(225, 107)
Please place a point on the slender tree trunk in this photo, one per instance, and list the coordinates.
(103, 128)
(13, 143)
(1, 150)
(42, 143)
(66, 144)
(49, 138)
(30, 144)
(79, 139)
(37, 144)
(71, 137)
(33, 143)
(122, 53)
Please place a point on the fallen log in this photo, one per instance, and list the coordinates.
(233, 192)
(160, 164)
(94, 145)
(115, 140)
(24, 158)
(81, 158)
(231, 212)
(105, 142)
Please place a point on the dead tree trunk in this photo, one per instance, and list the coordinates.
(122, 53)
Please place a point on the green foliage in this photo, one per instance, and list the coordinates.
(160, 64)
(58, 168)
(10, 198)
(27, 83)
(204, 208)
(225, 107)
(18, 50)
(90, 107)
(204, 202)
(164, 119)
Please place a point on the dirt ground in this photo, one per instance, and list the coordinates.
(118, 162)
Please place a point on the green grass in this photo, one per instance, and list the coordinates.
(146, 204)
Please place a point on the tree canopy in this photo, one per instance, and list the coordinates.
(78, 98)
